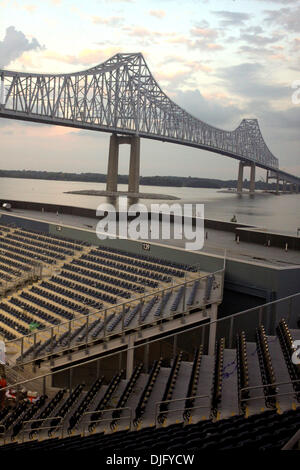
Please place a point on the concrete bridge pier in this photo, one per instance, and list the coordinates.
(277, 184)
(134, 165)
(113, 162)
(252, 179)
(284, 186)
(241, 176)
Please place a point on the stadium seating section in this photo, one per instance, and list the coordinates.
(210, 416)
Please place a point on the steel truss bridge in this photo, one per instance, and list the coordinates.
(121, 96)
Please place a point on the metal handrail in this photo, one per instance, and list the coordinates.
(267, 395)
(179, 409)
(107, 419)
(291, 443)
(37, 430)
(103, 312)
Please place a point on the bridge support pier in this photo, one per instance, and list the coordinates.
(252, 179)
(134, 165)
(277, 184)
(240, 178)
(113, 162)
(284, 186)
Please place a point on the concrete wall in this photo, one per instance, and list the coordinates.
(263, 238)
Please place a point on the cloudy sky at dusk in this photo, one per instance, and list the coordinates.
(221, 60)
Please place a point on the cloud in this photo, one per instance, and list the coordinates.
(252, 81)
(273, 53)
(278, 1)
(157, 13)
(30, 8)
(285, 18)
(86, 57)
(14, 44)
(199, 31)
(111, 21)
(260, 40)
(231, 18)
(141, 31)
(215, 110)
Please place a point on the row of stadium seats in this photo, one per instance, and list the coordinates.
(9, 267)
(36, 311)
(192, 295)
(14, 325)
(96, 267)
(4, 228)
(40, 419)
(32, 247)
(164, 262)
(266, 367)
(264, 431)
(58, 240)
(63, 410)
(103, 277)
(242, 368)
(6, 262)
(17, 315)
(30, 412)
(163, 407)
(106, 259)
(105, 400)
(91, 293)
(88, 281)
(193, 383)
(8, 335)
(289, 350)
(126, 394)
(208, 287)
(217, 377)
(77, 415)
(140, 409)
(25, 253)
(40, 244)
(163, 302)
(56, 299)
(136, 260)
(10, 256)
(71, 293)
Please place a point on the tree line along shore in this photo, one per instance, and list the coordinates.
(174, 181)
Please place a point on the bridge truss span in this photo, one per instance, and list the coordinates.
(121, 96)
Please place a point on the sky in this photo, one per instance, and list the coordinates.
(221, 60)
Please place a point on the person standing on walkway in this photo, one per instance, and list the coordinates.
(3, 384)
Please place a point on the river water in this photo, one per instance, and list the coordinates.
(277, 213)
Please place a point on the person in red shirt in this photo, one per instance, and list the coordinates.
(3, 384)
